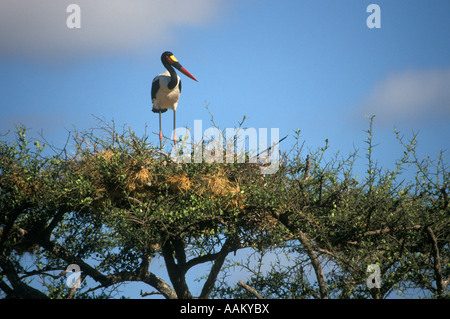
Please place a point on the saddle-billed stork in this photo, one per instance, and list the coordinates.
(166, 89)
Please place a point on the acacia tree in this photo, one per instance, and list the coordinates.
(117, 202)
(111, 207)
(345, 224)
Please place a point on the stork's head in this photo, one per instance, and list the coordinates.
(168, 59)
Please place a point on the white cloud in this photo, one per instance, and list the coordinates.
(411, 96)
(38, 28)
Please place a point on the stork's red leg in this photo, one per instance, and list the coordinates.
(160, 131)
(174, 127)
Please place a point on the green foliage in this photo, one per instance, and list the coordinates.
(380, 219)
(117, 202)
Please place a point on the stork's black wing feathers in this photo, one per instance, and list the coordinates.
(155, 89)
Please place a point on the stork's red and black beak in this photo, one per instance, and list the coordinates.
(174, 62)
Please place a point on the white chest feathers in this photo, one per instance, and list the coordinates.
(164, 98)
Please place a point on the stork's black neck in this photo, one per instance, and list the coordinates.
(173, 75)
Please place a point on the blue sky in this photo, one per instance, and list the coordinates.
(312, 65)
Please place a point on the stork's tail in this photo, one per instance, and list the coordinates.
(156, 110)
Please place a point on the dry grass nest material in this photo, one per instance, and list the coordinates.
(140, 180)
(19, 181)
(213, 185)
(138, 177)
(137, 173)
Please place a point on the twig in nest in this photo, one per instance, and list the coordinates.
(270, 147)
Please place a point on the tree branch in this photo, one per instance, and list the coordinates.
(215, 269)
(20, 289)
(388, 230)
(160, 285)
(382, 232)
(440, 284)
(309, 249)
(145, 294)
(199, 260)
(249, 289)
(142, 274)
(315, 263)
(176, 272)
